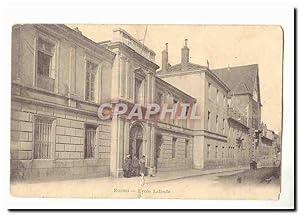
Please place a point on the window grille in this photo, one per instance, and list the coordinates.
(90, 142)
(42, 139)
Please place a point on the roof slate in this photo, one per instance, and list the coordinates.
(239, 79)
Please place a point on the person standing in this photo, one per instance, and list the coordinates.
(127, 166)
(135, 166)
(142, 163)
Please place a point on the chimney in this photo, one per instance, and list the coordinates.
(185, 54)
(165, 61)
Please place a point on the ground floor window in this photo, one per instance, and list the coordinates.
(90, 141)
(43, 138)
(208, 151)
(174, 147)
(186, 146)
(216, 152)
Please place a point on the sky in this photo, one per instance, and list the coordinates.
(222, 46)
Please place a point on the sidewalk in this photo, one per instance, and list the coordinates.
(173, 175)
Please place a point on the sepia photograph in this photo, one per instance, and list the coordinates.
(151, 111)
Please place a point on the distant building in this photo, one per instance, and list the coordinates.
(268, 150)
(230, 107)
(244, 108)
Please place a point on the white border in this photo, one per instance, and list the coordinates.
(186, 13)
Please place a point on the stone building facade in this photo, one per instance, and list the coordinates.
(55, 131)
(229, 105)
(60, 78)
(135, 82)
(268, 151)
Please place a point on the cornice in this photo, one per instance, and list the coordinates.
(141, 60)
(64, 32)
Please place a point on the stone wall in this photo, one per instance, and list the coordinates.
(69, 137)
(166, 162)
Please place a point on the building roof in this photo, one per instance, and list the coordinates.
(240, 79)
(190, 67)
(179, 67)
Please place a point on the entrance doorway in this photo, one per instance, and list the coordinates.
(136, 141)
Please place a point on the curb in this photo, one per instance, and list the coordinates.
(200, 174)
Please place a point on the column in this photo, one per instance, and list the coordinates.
(114, 147)
(122, 76)
(149, 89)
(126, 138)
(129, 77)
(152, 146)
(72, 77)
(115, 77)
(116, 152)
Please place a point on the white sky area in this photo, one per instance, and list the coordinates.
(222, 46)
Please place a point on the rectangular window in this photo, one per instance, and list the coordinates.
(208, 120)
(43, 141)
(223, 124)
(159, 98)
(90, 84)
(186, 147)
(217, 123)
(174, 147)
(90, 141)
(224, 100)
(217, 96)
(187, 115)
(209, 90)
(45, 52)
(223, 151)
(138, 91)
(174, 104)
(208, 151)
(216, 152)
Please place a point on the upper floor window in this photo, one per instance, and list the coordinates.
(90, 82)
(223, 124)
(218, 95)
(224, 100)
(209, 90)
(217, 123)
(138, 91)
(45, 65)
(208, 120)
(175, 102)
(159, 98)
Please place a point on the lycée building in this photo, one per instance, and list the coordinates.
(60, 78)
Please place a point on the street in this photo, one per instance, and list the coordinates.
(210, 186)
